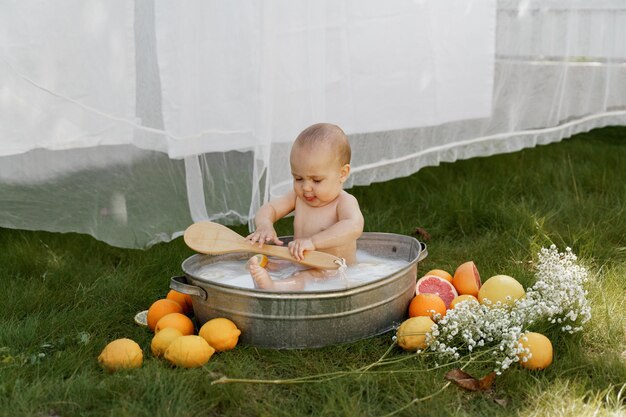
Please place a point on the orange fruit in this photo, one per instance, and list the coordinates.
(540, 349)
(466, 279)
(221, 333)
(424, 304)
(176, 320)
(189, 351)
(440, 273)
(183, 299)
(462, 298)
(411, 334)
(159, 309)
(121, 354)
(262, 259)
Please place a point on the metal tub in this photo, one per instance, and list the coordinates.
(308, 319)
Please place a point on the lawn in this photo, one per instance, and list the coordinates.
(65, 296)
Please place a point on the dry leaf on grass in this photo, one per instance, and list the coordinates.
(421, 232)
(468, 382)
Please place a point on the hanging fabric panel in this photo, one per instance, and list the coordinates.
(128, 121)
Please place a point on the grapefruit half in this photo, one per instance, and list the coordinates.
(432, 284)
(466, 279)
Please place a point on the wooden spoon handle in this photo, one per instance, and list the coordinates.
(312, 258)
(215, 239)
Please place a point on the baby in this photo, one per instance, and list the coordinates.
(326, 218)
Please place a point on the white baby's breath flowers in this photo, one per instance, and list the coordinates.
(471, 326)
(558, 297)
(559, 294)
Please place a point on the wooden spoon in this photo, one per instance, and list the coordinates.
(215, 239)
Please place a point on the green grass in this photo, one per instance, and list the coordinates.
(65, 296)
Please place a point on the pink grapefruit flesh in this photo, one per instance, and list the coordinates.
(433, 284)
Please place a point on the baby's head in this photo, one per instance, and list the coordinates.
(320, 163)
(325, 137)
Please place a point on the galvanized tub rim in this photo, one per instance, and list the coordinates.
(317, 294)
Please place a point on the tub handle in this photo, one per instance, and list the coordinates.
(179, 283)
(423, 252)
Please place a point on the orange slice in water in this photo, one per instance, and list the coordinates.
(262, 259)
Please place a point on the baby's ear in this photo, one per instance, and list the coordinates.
(344, 173)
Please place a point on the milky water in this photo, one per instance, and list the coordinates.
(367, 269)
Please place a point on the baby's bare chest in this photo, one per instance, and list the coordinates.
(311, 220)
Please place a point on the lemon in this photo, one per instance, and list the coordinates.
(162, 340)
(501, 288)
(189, 351)
(540, 349)
(412, 332)
(121, 354)
(221, 333)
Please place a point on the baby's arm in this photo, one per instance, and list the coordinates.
(267, 215)
(347, 229)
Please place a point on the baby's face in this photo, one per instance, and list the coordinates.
(318, 176)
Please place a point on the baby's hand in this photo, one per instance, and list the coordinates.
(264, 234)
(298, 246)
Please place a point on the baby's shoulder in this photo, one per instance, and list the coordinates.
(348, 207)
(346, 198)
(346, 195)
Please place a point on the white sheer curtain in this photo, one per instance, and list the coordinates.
(129, 121)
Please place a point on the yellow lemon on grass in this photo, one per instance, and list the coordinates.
(540, 349)
(121, 354)
(189, 351)
(502, 288)
(464, 297)
(412, 332)
(221, 333)
(162, 340)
